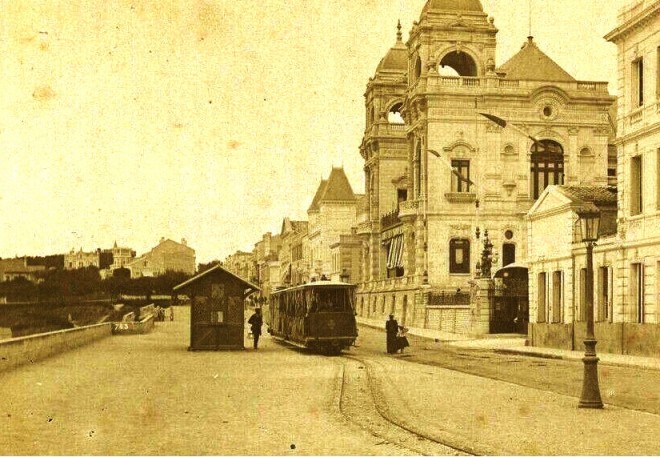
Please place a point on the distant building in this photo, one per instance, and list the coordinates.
(290, 255)
(168, 255)
(121, 256)
(267, 266)
(241, 264)
(332, 214)
(18, 267)
(80, 259)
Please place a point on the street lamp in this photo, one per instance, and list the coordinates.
(590, 398)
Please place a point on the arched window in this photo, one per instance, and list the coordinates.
(418, 67)
(394, 115)
(460, 62)
(547, 165)
(459, 256)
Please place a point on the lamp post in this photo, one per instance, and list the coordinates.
(590, 398)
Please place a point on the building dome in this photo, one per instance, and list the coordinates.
(395, 59)
(453, 5)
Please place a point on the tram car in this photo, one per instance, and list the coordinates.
(319, 316)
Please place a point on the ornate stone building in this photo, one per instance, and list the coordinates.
(436, 183)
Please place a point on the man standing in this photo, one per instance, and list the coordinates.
(256, 321)
(391, 329)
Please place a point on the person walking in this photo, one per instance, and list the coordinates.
(391, 330)
(256, 321)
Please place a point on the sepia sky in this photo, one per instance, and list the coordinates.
(210, 120)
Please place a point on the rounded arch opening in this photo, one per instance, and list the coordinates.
(547, 165)
(394, 114)
(458, 63)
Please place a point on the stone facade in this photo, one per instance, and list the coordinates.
(418, 212)
(557, 256)
(627, 254)
(638, 148)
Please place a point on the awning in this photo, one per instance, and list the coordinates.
(395, 253)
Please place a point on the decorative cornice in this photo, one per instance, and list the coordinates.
(637, 21)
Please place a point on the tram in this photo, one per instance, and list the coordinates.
(319, 316)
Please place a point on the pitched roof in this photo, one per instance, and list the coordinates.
(214, 271)
(598, 195)
(299, 226)
(532, 64)
(338, 187)
(315, 201)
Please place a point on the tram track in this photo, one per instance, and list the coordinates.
(362, 401)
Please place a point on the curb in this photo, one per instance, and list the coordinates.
(541, 355)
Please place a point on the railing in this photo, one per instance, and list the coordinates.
(390, 219)
(509, 83)
(476, 82)
(459, 81)
(399, 127)
(449, 299)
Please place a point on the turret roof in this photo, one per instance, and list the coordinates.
(397, 57)
(336, 188)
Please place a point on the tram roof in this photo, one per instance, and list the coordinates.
(317, 284)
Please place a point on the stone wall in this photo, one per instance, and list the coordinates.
(17, 351)
(615, 338)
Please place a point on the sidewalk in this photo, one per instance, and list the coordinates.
(516, 344)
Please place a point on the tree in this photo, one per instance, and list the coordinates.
(201, 267)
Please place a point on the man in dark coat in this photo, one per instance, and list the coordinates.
(256, 321)
(391, 329)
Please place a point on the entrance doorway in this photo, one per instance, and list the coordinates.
(509, 306)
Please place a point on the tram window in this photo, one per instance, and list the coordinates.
(330, 300)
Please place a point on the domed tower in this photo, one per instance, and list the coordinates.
(384, 150)
(452, 53)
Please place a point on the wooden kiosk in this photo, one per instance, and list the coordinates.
(217, 311)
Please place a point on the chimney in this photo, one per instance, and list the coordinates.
(184, 242)
(162, 238)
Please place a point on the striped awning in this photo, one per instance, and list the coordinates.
(395, 252)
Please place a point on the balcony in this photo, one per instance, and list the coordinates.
(390, 219)
(408, 208)
(364, 228)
